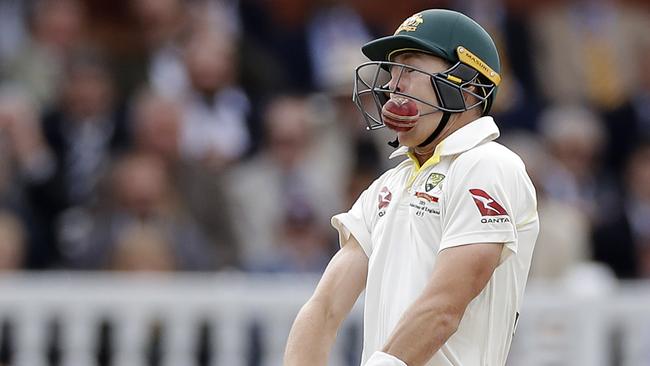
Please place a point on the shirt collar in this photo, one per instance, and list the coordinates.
(465, 138)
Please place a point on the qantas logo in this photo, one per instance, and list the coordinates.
(486, 204)
(384, 197)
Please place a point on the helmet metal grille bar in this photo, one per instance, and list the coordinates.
(365, 89)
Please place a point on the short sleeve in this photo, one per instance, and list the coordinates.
(479, 202)
(355, 222)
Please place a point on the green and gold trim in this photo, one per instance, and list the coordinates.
(466, 57)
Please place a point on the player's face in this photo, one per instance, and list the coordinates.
(418, 85)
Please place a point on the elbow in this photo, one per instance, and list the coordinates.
(449, 321)
(325, 311)
(445, 318)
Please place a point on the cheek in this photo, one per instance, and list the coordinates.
(423, 89)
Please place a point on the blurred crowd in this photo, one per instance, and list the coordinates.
(208, 135)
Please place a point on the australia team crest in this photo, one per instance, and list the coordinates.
(433, 180)
(411, 23)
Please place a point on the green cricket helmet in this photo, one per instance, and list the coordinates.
(469, 49)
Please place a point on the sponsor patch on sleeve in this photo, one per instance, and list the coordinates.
(489, 208)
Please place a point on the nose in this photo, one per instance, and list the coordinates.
(398, 80)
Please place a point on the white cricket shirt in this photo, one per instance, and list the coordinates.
(472, 190)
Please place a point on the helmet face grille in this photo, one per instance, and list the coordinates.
(372, 90)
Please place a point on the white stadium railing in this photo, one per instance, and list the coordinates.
(230, 304)
(250, 317)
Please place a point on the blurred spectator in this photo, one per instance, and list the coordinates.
(216, 110)
(334, 34)
(157, 124)
(575, 139)
(56, 29)
(383, 16)
(343, 139)
(142, 248)
(629, 124)
(361, 178)
(508, 22)
(12, 28)
(563, 242)
(12, 242)
(276, 32)
(24, 160)
(24, 148)
(84, 130)
(83, 133)
(341, 126)
(588, 49)
(623, 241)
(157, 131)
(161, 25)
(302, 246)
(140, 195)
(283, 176)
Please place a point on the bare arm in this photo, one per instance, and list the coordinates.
(314, 330)
(459, 276)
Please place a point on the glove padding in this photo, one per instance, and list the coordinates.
(384, 359)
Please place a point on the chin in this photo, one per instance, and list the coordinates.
(418, 134)
(409, 138)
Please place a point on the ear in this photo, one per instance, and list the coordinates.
(470, 99)
(467, 96)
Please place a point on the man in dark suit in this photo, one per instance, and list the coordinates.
(623, 241)
(82, 132)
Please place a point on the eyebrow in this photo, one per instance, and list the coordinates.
(406, 55)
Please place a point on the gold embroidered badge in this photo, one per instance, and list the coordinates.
(411, 23)
(433, 180)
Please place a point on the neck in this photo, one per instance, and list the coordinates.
(422, 154)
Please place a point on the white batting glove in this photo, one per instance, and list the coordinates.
(384, 359)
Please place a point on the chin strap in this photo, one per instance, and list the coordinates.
(443, 122)
(438, 130)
